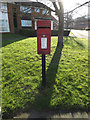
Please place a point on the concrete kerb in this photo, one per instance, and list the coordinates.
(51, 114)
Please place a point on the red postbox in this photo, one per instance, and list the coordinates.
(43, 36)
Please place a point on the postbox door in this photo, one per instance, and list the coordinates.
(43, 44)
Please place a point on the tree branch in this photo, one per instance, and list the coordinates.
(77, 7)
(56, 8)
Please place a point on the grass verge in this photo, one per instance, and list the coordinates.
(66, 75)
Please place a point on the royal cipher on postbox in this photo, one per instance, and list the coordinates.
(43, 36)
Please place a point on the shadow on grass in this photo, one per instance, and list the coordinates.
(75, 40)
(43, 98)
(78, 43)
(53, 67)
(66, 39)
(6, 41)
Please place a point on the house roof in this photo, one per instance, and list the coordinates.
(34, 4)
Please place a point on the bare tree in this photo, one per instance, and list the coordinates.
(60, 13)
(59, 10)
(68, 20)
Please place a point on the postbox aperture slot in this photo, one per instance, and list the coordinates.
(43, 27)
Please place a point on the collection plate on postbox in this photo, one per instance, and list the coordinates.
(43, 36)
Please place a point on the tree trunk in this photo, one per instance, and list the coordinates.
(61, 25)
(60, 31)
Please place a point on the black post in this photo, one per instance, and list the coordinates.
(43, 71)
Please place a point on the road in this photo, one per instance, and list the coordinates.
(80, 34)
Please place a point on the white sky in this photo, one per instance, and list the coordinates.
(71, 4)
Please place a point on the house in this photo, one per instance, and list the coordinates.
(23, 15)
(80, 23)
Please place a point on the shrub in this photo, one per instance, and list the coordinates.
(54, 32)
(33, 33)
(28, 32)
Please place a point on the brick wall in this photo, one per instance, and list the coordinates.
(18, 17)
(34, 14)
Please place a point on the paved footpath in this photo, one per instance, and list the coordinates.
(51, 114)
(80, 34)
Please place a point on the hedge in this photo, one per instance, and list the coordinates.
(28, 32)
(33, 33)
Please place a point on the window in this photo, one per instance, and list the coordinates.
(25, 9)
(45, 12)
(22, 8)
(3, 6)
(51, 25)
(4, 25)
(26, 23)
(35, 25)
(37, 10)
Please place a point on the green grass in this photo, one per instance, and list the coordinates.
(66, 75)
